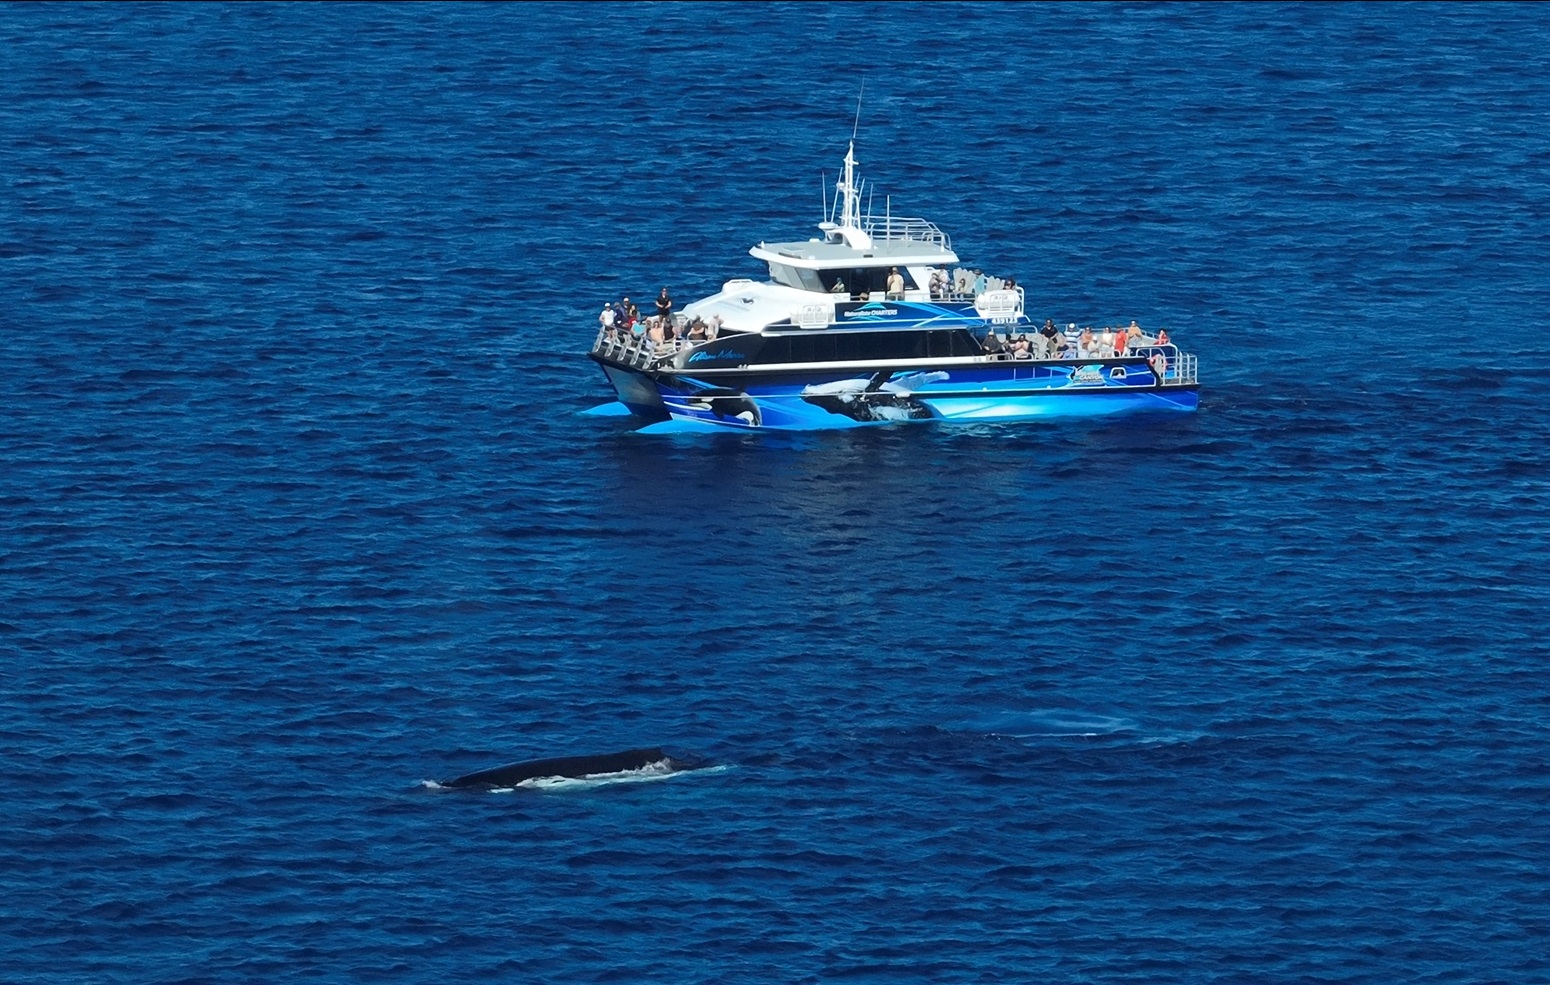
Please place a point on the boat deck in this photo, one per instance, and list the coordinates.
(640, 352)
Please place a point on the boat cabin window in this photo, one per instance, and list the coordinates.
(862, 280)
(797, 277)
(868, 346)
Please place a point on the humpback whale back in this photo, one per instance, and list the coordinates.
(564, 766)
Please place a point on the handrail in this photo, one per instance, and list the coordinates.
(639, 350)
(633, 350)
(1001, 306)
(1180, 368)
(905, 229)
(815, 316)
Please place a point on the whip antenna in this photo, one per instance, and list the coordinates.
(857, 125)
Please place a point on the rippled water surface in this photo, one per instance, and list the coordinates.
(302, 507)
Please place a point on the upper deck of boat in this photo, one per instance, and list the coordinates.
(885, 240)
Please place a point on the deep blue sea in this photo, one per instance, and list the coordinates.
(301, 506)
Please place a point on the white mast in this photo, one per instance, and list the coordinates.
(850, 203)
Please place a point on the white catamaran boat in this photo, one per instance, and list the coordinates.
(876, 322)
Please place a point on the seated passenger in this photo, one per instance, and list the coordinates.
(1021, 349)
(839, 287)
(697, 330)
(992, 344)
(1087, 344)
(1162, 336)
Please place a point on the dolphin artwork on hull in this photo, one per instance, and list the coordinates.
(566, 767)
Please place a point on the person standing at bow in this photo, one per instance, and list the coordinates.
(665, 307)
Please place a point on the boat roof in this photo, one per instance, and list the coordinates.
(818, 255)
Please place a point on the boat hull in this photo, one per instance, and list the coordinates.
(862, 397)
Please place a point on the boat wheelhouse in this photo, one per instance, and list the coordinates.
(877, 321)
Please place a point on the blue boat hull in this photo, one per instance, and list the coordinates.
(992, 392)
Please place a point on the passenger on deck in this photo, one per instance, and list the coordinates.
(993, 346)
(631, 313)
(1087, 344)
(1054, 342)
(1133, 336)
(697, 330)
(654, 332)
(1021, 349)
(938, 283)
(981, 282)
(1162, 336)
(839, 287)
(895, 285)
(665, 306)
(713, 329)
(1119, 341)
(606, 319)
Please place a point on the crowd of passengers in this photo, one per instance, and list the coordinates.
(1050, 342)
(966, 282)
(622, 322)
(960, 282)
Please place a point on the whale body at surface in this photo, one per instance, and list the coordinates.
(571, 767)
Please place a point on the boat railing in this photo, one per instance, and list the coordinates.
(903, 228)
(1176, 366)
(814, 316)
(1000, 307)
(631, 349)
(640, 351)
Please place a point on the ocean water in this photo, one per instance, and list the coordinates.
(302, 506)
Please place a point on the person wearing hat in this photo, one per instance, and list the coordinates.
(992, 344)
(606, 319)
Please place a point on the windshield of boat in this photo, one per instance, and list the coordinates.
(797, 277)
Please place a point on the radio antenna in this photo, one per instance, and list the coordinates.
(857, 125)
